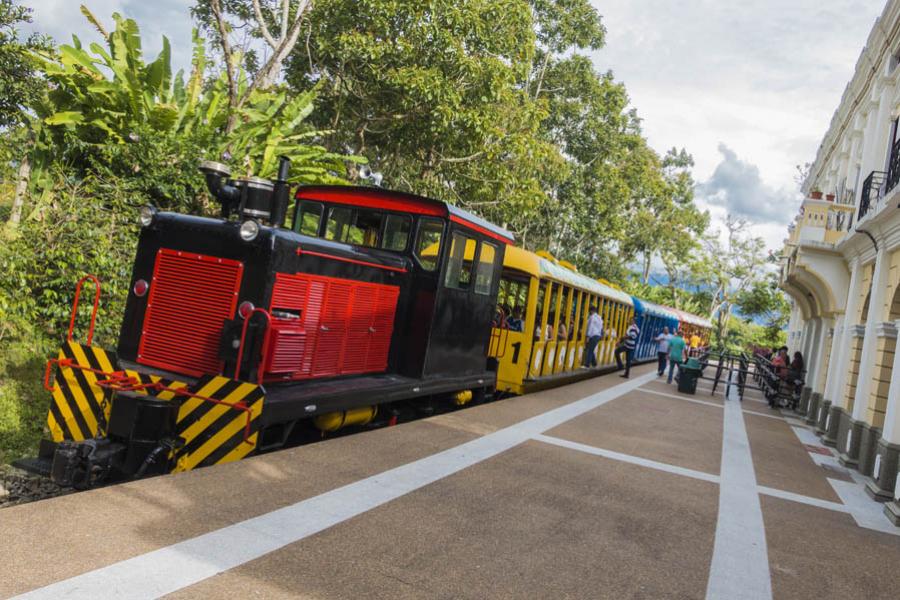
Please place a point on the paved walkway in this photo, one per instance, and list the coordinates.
(604, 489)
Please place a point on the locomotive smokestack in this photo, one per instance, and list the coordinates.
(281, 193)
(216, 175)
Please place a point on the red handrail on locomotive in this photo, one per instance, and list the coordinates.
(81, 281)
(262, 358)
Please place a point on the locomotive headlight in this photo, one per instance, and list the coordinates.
(249, 230)
(148, 213)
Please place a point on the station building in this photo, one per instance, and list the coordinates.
(841, 268)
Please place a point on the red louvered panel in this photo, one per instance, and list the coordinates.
(332, 328)
(356, 346)
(191, 295)
(383, 328)
(287, 347)
(348, 326)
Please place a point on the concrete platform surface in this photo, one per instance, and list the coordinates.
(608, 488)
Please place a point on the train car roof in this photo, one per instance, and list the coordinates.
(402, 202)
(531, 263)
(654, 309)
(692, 318)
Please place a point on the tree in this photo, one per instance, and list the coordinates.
(276, 23)
(731, 267)
(765, 301)
(431, 94)
(664, 220)
(20, 86)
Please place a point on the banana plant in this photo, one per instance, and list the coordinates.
(103, 95)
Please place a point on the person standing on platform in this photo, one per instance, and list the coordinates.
(695, 344)
(627, 346)
(677, 348)
(594, 332)
(662, 350)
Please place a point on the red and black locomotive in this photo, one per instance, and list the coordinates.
(241, 327)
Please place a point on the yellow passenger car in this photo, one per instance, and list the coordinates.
(545, 304)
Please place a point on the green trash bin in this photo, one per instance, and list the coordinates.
(688, 374)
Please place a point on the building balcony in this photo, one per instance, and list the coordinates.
(873, 189)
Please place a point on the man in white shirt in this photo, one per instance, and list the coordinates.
(594, 332)
(662, 350)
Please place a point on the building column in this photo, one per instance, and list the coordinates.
(816, 399)
(851, 434)
(834, 400)
(887, 451)
(816, 376)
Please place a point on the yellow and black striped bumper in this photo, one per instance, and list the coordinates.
(80, 408)
(218, 432)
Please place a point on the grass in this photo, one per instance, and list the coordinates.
(23, 401)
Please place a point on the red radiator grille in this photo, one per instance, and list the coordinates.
(190, 297)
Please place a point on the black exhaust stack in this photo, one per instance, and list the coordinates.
(281, 193)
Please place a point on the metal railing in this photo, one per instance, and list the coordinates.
(872, 190)
(893, 176)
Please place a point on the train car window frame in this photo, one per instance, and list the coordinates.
(485, 270)
(301, 212)
(418, 246)
(458, 275)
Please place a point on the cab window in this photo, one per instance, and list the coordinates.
(459, 269)
(396, 232)
(309, 218)
(371, 228)
(428, 243)
(484, 274)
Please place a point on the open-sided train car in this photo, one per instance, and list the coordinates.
(540, 294)
(692, 325)
(236, 329)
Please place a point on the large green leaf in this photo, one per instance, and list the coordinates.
(70, 117)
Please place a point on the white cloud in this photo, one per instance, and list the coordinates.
(761, 76)
(736, 186)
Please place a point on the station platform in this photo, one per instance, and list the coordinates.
(607, 488)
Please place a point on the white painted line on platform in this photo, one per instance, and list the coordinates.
(800, 498)
(740, 561)
(186, 563)
(865, 511)
(634, 460)
(677, 397)
(759, 414)
(693, 474)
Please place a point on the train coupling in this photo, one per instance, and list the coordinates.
(83, 465)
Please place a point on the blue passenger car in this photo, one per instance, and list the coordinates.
(651, 318)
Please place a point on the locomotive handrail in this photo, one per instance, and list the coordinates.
(502, 326)
(262, 358)
(81, 281)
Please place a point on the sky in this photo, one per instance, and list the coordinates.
(748, 87)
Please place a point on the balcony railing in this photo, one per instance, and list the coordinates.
(872, 190)
(893, 177)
